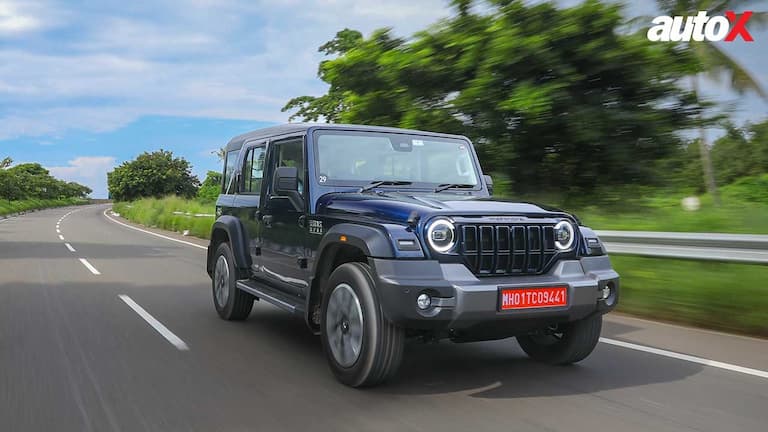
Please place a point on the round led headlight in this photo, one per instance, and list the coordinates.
(441, 235)
(564, 235)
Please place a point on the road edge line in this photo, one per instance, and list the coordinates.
(686, 357)
(152, 233)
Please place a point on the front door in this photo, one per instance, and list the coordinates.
(284, 228)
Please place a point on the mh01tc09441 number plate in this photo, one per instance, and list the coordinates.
(530, 298)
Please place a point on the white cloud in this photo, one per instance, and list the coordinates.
(237, 59)
(116, 61)
(14, 21)
(87, 170)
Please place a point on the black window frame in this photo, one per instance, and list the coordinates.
(274, 146)
(248, 152)
(226, 182)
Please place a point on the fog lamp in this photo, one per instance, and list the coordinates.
(608, 294)
(424, 301)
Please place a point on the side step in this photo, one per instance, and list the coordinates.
(270, 295)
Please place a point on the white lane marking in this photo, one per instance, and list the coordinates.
(89, 266)
(686, 357)
(154, 234)
(61, 237)
(58, 231)
(157, 325)
(69, 246)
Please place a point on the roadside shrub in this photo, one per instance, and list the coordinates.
(747, 189)
(7, 208)
(170, 213)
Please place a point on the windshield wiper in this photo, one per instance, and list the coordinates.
(447, 186)
(377, 183)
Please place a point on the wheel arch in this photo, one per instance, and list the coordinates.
(230, 229)
(343, 243)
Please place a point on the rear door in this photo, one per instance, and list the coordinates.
(248, 200)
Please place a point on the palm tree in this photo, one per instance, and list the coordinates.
(716, 64)
(220, 153)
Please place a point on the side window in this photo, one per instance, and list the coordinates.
(229, 169)
(253, 170)
(291, 154)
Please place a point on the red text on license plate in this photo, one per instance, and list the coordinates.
(527, 298)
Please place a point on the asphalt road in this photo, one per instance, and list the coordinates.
(78, 353)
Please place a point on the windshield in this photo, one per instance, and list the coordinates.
(357, 158)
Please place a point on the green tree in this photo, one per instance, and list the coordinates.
(31, 180)
(74, 190)
(741, 152)
(34, 180)
(555, 99)
(10, 186)
(759, 137)
(329, 106)
(153, 174)
(717, 65)
(211, 187)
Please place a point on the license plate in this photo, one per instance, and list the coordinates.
(529, 298)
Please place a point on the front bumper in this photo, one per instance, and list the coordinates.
(462, 302)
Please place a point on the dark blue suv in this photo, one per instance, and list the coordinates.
(379, 235)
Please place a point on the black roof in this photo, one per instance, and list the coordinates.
(291, 128)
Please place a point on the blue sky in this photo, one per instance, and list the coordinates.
(87, 85)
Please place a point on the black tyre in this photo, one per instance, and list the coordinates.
(362, 346)
(231, 302)
(565, 344)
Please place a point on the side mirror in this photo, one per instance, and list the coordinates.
(286, 184)
(488, 183)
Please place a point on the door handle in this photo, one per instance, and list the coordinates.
(302, 221)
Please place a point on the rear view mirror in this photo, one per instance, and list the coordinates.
(286, 180)
(286, 184)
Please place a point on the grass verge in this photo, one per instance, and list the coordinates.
(11, 207)
(741, 219)
(170, 213)
(721, 296)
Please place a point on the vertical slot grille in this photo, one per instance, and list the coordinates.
(507, 249)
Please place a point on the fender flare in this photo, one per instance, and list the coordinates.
(374, 242)
(237, 240)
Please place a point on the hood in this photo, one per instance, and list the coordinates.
(399, 207)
